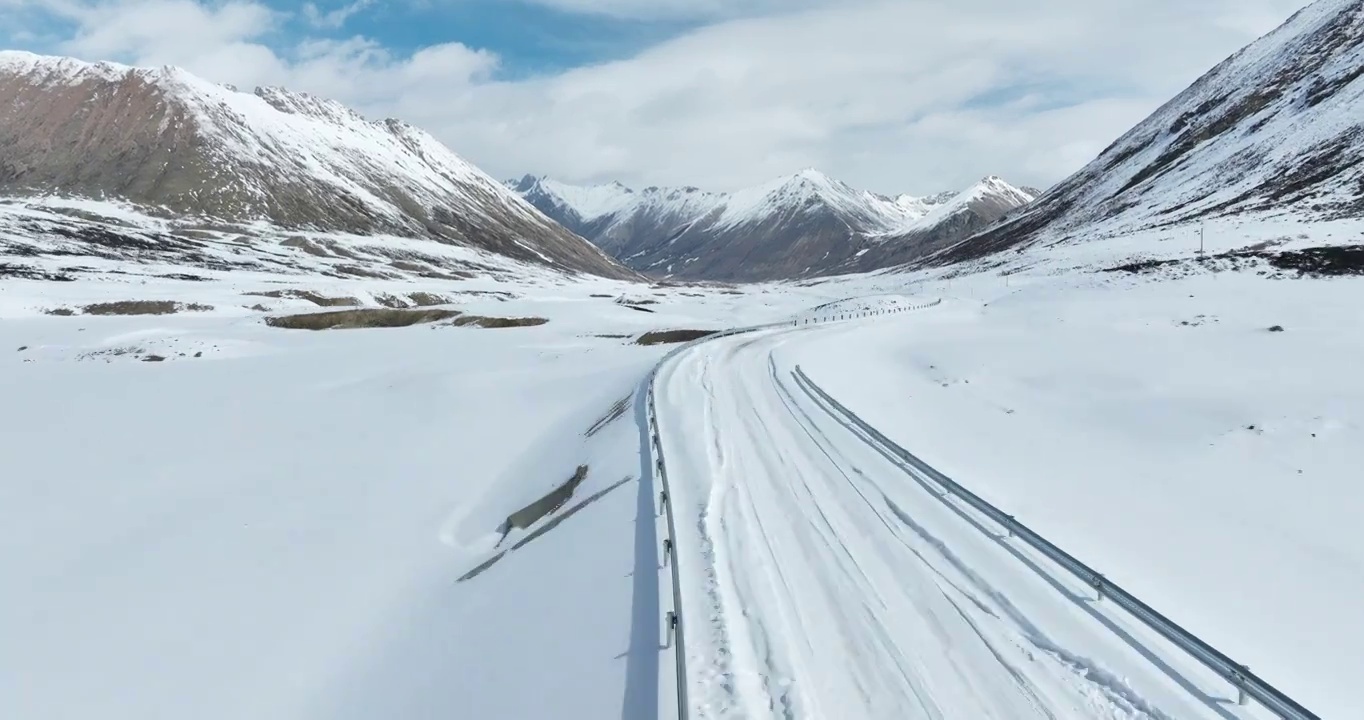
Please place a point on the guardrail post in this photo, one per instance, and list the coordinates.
(667, 550)
(662, 501)
(1098, 582)
(672, 626)
(1238, 679)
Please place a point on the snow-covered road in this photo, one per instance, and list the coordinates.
(820, 580)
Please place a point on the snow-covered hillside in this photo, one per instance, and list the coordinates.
(67, 239)
(165, 139)
(796, 226)
(1274, 129)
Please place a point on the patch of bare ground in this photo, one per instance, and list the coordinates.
(359, 318)
(306, 246)
(540, 531)
(555, 499)
(341, 250)
(665, 337)
(416, 299)
(107, 354)
(60, 311)
(315, 298)
(144, 307)
(363, 272)
(426, 299)
(390, 301)
(427, 271)
(497, 322)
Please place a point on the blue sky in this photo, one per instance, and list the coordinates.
(916, 96)
(529, 38)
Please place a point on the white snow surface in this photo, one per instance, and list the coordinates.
(271, 523)
(821, 581)
(276, 527)
(590, 201)
(991, 189)
(916, 207)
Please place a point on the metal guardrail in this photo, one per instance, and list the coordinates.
(1240, 677)
(661, 471)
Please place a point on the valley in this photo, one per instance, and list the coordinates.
(308, 417)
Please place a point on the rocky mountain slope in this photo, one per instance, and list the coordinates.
(165, 139)
(1277, 128)
(798, 226)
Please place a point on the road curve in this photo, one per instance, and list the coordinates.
(822, 581)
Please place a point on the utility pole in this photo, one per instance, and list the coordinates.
(1201, 228)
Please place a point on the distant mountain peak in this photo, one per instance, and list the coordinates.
(767, 231)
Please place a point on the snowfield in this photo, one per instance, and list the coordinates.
(821, 581)
(1165, 435)
(276, 527)
(274, 523)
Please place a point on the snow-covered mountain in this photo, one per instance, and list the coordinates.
(1277, 128)
(947, 221)
(165, 139)
(797, 226)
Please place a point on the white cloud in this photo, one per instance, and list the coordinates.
(879, 93)
(916, 96)
(152, 29)
(333, 18)
(679, 9)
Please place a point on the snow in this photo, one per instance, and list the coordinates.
(917, 207)
(820, 581)
(276, 527)
(1162, 433)
(1152, 425)
(591, 202)
(791, 194)
(992, 190)
(58, 70)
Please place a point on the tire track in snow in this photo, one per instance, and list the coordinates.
(820, 600)
(1105, 681)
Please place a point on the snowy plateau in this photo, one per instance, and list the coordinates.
(255, 465)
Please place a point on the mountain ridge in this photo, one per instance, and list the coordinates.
(798, 225)
(165, 139)
(1268, 130)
